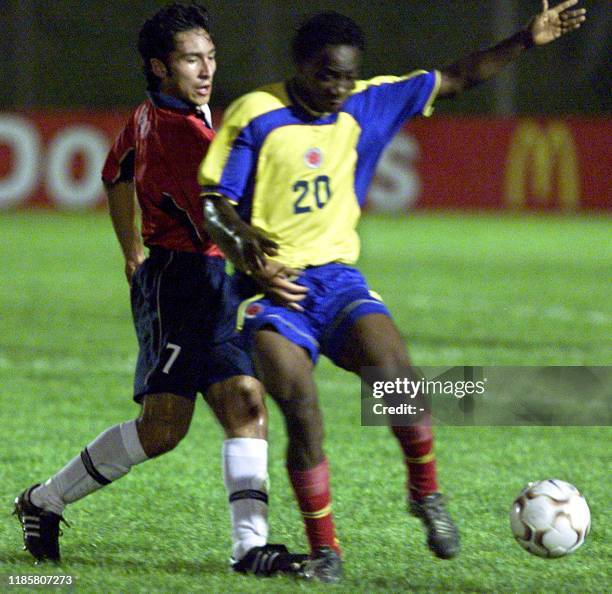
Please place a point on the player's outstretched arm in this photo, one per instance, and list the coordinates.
(122, 209)
(548, 25)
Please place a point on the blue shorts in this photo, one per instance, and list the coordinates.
(338, 297)
(184, 313)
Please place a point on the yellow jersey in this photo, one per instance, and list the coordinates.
(302, 177)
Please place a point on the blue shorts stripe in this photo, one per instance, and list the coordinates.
(348, 310)
(294, 328)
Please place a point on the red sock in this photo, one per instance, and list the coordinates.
(314, 498)
(417, 444)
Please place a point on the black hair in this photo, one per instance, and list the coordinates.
(156, 37)
(325, 28)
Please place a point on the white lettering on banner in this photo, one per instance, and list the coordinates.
(396, 185)
(24, 142)
(62, 186)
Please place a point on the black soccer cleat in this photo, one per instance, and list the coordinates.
(41, 529)
(324, 566)
(442, 534)
(270, 559)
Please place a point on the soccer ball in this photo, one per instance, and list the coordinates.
(550, 518)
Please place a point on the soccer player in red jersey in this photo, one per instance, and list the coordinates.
(182, 305)
(296, 159)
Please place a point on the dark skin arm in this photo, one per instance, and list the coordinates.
(244, 245)
(545, 27)
(249, 249)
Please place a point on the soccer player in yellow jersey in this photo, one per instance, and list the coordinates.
(284, 182)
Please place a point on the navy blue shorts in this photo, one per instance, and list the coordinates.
(338, 297)
(184, 313)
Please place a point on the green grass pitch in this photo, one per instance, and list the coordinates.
(478, 290)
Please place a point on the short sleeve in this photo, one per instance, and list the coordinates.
(119, 164)
(389, 101)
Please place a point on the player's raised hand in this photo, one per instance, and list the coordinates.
(554, 22)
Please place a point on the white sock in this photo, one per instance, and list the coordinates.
(109, 457)
(245, 472)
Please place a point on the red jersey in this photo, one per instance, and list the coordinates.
(160, 149)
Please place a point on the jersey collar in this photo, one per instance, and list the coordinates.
(170, 102)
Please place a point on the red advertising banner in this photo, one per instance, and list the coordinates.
(496, 163)
(54, 159)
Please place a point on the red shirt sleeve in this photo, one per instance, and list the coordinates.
(119, 164)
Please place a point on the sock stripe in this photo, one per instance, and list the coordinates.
(316, 515)
(91, 469)
(421, 459)
(249, 494)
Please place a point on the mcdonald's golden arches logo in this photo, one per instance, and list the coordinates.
(539, 155)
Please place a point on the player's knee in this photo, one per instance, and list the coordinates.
(163, 422)
(248, 410)
(239, 406)
(249, 395)
(161, 433)
(161, 437)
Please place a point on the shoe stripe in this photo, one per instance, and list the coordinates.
(445, 529)
(91, 469)
(255, 564)
(270, 561)
(40, 528)
(263, 557)
(267, 560)
(263, 562)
